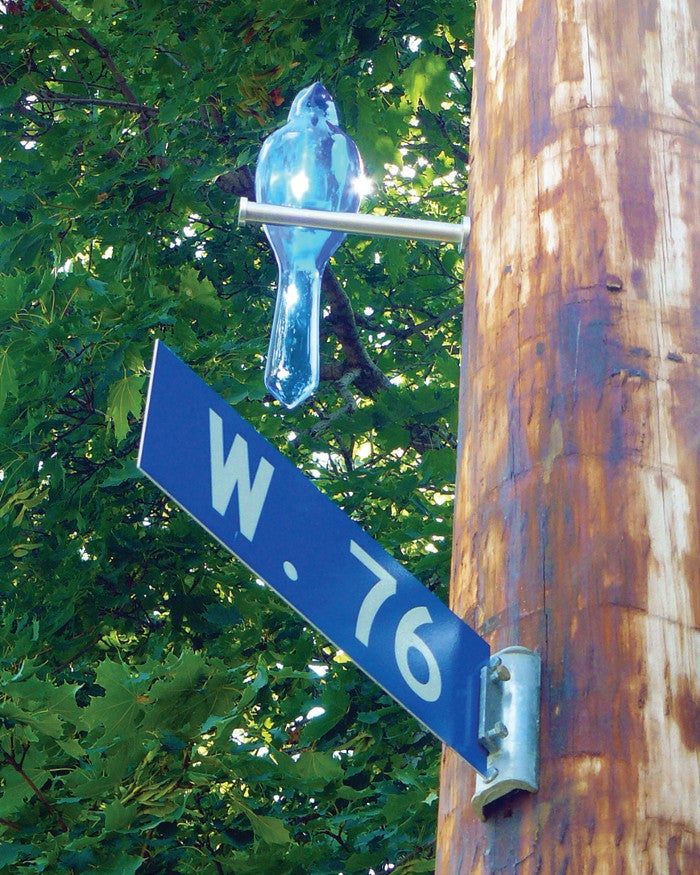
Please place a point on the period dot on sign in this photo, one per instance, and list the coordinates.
(290, 571)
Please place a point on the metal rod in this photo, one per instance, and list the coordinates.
(356, 223)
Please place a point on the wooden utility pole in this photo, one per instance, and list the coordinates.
(577, 529)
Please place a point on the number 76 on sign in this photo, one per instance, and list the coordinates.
(223, 473)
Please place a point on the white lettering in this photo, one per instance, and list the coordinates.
(406, 637)
(384, 588)
(232, 471)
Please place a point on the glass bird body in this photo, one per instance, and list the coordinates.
(308, 163)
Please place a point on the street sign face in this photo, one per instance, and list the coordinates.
(213, 463)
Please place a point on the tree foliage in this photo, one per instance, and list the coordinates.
(160, 710)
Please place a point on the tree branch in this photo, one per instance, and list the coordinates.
(338, 836)
(348, 407)
(459, 153)
(10, 824)
(11, 761)
(342, 323)
(103, 52)
(54, 97)
(412, 327)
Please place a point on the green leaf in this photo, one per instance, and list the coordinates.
(121, 709)
(10, 852)
(8, 377)
(224, 616)
(428, 79)
(40, 704)
(104, 7)
(396, 805)
(125, 398)
(119, 817)
(72, 747)
(335, 701)
(126, 471)
(270, 829)
(11, 293)
(121, 864)
(316, 769)
(202, 300)
(9, 95)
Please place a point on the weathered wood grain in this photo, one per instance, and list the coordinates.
(577, 528)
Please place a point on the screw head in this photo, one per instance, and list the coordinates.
(499, 672)
(498, 730)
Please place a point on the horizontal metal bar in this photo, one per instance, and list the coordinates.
(356, 223)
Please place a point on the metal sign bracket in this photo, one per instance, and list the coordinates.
(509, 725)
(356, 223)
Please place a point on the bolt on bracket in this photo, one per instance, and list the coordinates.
(509, 725)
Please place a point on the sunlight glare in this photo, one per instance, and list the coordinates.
(299, 184)
(363, 185)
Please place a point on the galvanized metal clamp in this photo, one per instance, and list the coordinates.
(509, 725)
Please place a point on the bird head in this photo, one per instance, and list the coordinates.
(312, 103)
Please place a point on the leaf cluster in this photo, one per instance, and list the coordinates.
(161, 711)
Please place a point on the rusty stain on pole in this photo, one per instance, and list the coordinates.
(577, 524)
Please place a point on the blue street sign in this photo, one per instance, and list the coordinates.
(213, 463)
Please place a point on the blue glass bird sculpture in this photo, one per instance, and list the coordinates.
(308, 163)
